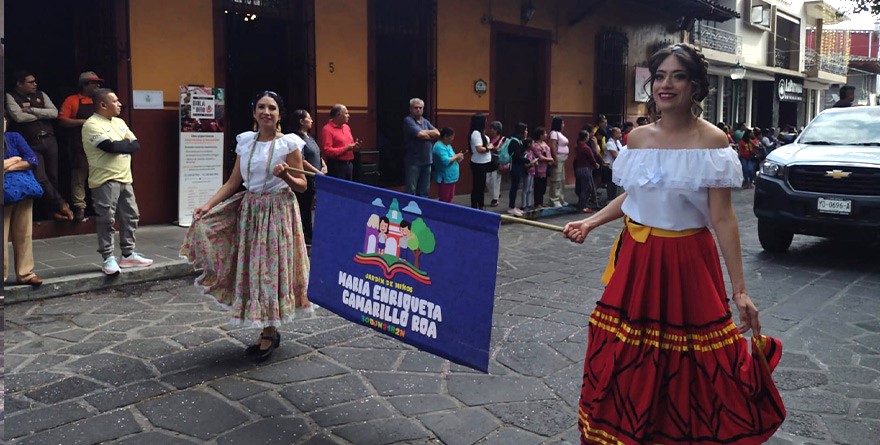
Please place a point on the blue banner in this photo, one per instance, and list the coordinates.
(418, 270)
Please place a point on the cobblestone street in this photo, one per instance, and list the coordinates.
(156, 363)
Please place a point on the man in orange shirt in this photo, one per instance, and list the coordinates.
(74, 112)
(337, 143)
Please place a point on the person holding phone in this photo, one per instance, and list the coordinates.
(446, 160)
(338, 145)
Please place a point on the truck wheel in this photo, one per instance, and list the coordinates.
(773, 238)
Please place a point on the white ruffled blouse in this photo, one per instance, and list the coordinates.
(256, 171)
(668, 188)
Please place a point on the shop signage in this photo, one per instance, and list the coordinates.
(201, 148)
(790, 90)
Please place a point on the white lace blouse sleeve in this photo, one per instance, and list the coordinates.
(689, 169)
(292, 143)
(243, 142)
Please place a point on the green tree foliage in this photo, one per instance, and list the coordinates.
(873, 6)
(424, 240)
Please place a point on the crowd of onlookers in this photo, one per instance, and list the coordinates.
(534, 160)
(754, 144)
(96, 153)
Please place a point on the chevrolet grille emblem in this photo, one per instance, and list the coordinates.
(837, 174)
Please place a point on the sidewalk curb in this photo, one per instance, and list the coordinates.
(93, 281)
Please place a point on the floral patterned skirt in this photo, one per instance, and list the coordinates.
(252, 252)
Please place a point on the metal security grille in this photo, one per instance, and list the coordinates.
(862, 181)
(611, 63)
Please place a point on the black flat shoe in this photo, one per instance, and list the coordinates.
(255, 349)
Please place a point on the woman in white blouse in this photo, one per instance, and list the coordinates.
(665, 361)
(559, 150)
(481, 156)
(251, 244)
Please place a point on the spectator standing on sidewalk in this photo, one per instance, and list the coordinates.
(312, 162)
(19, 190)
(481, 156)
(748, 153)
(418, 139)
(74, 112)
(109, 144)
(493, 178)
(519, 165)
(446, 161)
(559, 150)
(32, 113)
(612, 150)
(627, 127)
(338, 145)
(250, 244)
(664, 353)
(584, 164)
(542, 153)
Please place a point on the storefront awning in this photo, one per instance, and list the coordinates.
(689, 10)
(867, 64)
(697, 9)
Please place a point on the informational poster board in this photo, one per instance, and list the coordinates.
(201, 148)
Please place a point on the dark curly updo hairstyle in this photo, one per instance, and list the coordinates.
(697, 69)
(282, 111)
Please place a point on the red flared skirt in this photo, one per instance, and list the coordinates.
(665, 363)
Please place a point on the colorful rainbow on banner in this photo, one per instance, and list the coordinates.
(391, 271)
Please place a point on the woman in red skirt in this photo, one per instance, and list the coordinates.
(666, 363)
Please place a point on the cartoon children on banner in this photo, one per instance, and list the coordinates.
(396, 244)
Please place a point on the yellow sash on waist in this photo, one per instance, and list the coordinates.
(640, 234)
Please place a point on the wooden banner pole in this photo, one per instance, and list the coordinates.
(507, 218)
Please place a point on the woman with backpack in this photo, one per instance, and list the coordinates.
(514, 152)
(748, 153)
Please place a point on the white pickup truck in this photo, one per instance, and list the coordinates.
(826, 183)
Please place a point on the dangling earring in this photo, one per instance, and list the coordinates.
(278, 126)
(255, 126)
(696, 108)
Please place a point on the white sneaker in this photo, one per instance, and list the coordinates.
(515, 212)
(135, 260)
(110, 266)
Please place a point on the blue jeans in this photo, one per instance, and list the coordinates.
(516, 175)
(528, 191)
(748, 168)
(418, 179)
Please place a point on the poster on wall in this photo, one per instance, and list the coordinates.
(642, 75)
(201, 148)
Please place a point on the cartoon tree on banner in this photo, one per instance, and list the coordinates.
(421, 240)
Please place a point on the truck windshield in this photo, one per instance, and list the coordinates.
(853, 126)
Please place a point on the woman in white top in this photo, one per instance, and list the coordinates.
(559, 150)
(251, 244)
(481, 156)
(666, 364)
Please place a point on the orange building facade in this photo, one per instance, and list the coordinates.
(535, 59)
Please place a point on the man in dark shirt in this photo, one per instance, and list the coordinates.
(418, 139)
(847, 96)
(32, 113)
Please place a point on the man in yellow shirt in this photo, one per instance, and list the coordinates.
(108, 144)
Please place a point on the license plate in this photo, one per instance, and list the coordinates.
(837, 206)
